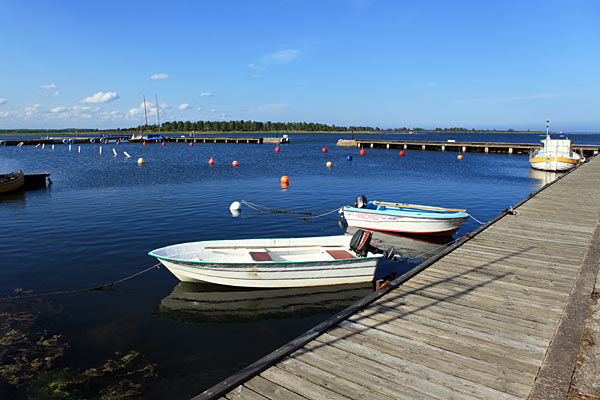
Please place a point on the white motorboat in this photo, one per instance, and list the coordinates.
(403, 218)
(555, 154)
(274, 263)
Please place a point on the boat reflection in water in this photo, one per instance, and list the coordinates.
(205, 302)
(545, 177)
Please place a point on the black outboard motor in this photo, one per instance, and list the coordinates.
(361, 242)
(361, 245)
(360, 202)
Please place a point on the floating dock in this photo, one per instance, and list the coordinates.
(498, 315)
(588, 150)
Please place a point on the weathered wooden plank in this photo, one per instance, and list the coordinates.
(368, 360)
(370, 372)
(302, 386)
(331, 379)
(424, 375)
(243, 393)
(271, 390)
(492, 291)
(415, 313)
(461, 316)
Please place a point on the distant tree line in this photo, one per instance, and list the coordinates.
(254, 126)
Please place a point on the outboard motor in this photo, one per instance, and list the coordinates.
(360, 202)
(361, 245)
(361, 242)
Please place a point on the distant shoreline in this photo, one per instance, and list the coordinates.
(32, 132)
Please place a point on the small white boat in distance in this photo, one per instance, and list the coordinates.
(274, 263)
(403, 218)
(554, 155)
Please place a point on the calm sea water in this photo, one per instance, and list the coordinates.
(102, 214)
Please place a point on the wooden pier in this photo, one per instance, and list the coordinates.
(499, 315)
(588, 150)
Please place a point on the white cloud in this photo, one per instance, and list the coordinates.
(101, 97)
(2, 101)
(32, 109)
(58, 109)
(198, 108)
(49, 86)
(205, 94)
(139, 110)
(281, 57)
(212, 110)
(160, 76)
(183, 106)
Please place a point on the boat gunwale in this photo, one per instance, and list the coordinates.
(265, 262)
(424, 214)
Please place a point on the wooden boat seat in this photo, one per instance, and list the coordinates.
(340, 254)
(260, 256)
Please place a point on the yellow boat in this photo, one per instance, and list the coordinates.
(11, 182)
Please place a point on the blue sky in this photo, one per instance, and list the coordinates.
(473, 64)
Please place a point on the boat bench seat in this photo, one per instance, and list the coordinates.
(260, 256)
(340, 254)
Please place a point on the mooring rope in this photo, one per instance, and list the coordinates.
(100, 287)
(476, 220)
(261, 209)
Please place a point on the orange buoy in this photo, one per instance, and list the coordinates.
(163, 144)
(211, 161)
(118, 142)
(277, 149)
(191, 144)
(362, 152)
(324, 149)
(106, 142)
(459, 157)
(144, 143)
(401, 153)
(329, 164)
(234, 163)
(285, 180)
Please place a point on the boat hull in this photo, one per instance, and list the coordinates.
(405, 218)
(12, 182)
(282, 263)
(554, 164)
(275, 275)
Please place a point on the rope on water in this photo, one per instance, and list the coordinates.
(269, 210)
(100, 287)
(478, 221)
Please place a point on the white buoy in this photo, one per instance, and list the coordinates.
(69, 147)
(235, 208)
(43, 145)
(52, 147)
(141, 161)
(37, 145)
(79, 149)
(100, 150)
(126, 154)
(114, 152)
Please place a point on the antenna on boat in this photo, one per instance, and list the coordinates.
(547, 127)
(157, 113)
(146, 114)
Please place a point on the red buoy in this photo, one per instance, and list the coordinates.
(277, 148)
(118, 142)
(144, 143)
(235, 163)
(362, 152)
(191, 144)
(211, 161)
(401, 153)
(163, 144)
(324, 149)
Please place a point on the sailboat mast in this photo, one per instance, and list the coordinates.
(157, 113)
(146, 113)
(547, 127)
